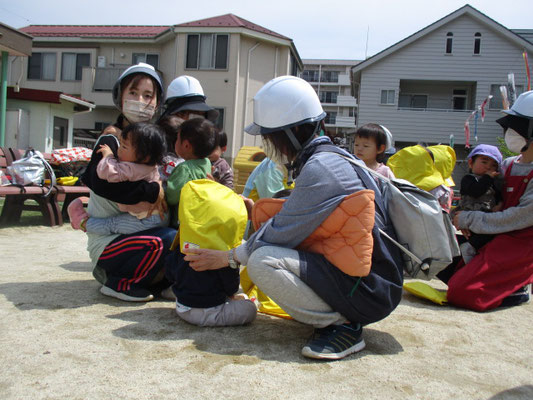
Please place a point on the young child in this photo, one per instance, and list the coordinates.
(195, 142)
(220, 169)
(481, 190)
(371, 142)
(141, 150)
(170, 125)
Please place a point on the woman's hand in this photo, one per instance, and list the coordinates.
(456, 220)
(160, 204)
(206, 259)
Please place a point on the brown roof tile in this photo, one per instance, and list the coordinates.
(230, 21)
(143, 31)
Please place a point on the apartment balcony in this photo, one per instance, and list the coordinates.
(342, 80)
(340, 122)
(346, 101)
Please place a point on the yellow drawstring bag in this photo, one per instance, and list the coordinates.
(211, 216)
(424, 291)
(415, 164)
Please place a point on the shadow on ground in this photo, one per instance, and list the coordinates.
(267, 338)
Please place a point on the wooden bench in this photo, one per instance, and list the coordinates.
(65, 194)
(16, 197)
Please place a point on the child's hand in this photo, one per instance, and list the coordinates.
(105, 151)
(497, 207)
(249, 203)
(493, 174)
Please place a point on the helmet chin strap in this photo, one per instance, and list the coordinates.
(295, 142)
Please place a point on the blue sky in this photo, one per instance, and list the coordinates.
(336, 29)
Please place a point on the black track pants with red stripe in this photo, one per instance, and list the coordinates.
(134, 260)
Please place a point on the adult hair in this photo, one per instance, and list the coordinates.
(170, 124)
(279, 143)
(375, 132)
(148, 140)
(134, 79)
(221, 139)
(201, 134)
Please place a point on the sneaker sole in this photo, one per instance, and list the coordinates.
(307, 352)
(106, 291)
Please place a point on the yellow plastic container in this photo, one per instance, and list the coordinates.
(247, 159)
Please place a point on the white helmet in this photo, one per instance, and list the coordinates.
(389, 144)
(282, 103)
(520, 116)
(523, 106)
(184, 86)
(141, 68)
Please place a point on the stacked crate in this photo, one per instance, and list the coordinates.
(247, 159)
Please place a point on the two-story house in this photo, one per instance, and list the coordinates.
(331, 81)
(230, 56)
(424, 87)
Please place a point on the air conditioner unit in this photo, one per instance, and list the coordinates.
(101, 61)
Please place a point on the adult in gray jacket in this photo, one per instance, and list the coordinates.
(288, 115)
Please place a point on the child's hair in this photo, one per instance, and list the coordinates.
(221, 139)
(201, 134)
(375, 132)
(148, 141)
(170, 124)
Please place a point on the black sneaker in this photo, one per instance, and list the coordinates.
(135, 294)
(522, 295)
(334, 342)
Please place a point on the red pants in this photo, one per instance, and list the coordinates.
(503, 266)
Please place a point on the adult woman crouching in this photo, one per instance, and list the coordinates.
(288, 115)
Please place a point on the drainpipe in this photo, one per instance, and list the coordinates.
(276, 63)
(246, 91)
(3, 99)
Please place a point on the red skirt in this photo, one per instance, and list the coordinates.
(502, 266)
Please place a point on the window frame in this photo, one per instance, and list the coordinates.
(76, 66)
(448, 48)
(40, 78)
(133, 56)
(388, 91)
(477, 44)
(214, 42)
(221, 118)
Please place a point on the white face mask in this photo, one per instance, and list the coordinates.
(514, 141)
(137, 111)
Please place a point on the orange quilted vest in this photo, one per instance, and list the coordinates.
(344, 238)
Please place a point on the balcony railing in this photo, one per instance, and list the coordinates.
(105, 78)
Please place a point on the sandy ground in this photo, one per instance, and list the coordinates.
(61, 339)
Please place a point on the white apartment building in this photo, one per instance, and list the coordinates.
(331, 80)
(231, 57)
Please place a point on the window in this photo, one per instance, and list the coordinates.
(330, 76)
(496, 103)
(351, 112)
(459, 99)
(310, 75)
(219, 122)
(449, 42)
(328, 97)
(331, 118)
(477, 43)
(72, 65)
(100, 126)
(413, 100)
(387, 97)
(42, 66)
(152, 59)
(60, 132)
(207, 51)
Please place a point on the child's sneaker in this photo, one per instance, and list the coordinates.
(522, 295)
(77, 214)
(134, 294)
(335, 342)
